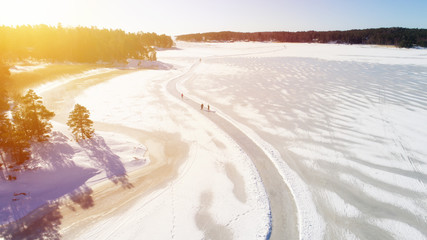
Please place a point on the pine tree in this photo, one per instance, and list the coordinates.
(79, 122)
(5, 124)
(32, 117)
(4, 80)
(14, 144)
(5, 127)
(17, 146)
(4, 75)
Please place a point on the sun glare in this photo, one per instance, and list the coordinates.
(27, 12)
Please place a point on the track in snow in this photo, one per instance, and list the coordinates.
(282, 203)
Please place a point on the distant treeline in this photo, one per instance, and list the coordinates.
(79, 44)
(401, 37)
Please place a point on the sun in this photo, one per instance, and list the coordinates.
(24, 12)
(30, 12)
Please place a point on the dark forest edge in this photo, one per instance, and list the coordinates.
(399, 37)
(78, 44)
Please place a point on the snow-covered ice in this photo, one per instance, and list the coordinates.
(331, 111)
(343, 124)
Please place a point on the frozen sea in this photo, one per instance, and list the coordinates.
(347, 121)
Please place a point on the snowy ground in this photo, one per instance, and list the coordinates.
(217, 193)
(348, 120)
(344, 126)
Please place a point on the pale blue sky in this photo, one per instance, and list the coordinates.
(189, 16)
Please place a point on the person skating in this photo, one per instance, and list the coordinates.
(201, 107)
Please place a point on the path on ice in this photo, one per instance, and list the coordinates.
(351, 131)
(282, 204)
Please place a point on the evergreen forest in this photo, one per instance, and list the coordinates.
(79, 44)
(399, 37)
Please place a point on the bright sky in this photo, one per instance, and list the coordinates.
(174, 17)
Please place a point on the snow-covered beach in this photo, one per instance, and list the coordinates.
(343, 126)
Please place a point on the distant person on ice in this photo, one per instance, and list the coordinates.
(182, 95)
(201, 107)
(208, 108)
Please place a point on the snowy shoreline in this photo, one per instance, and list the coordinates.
(243, 202)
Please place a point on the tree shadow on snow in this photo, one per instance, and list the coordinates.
(104, 158)
(83, 197)
(42, 223)
(30, 205)
(56, 152)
